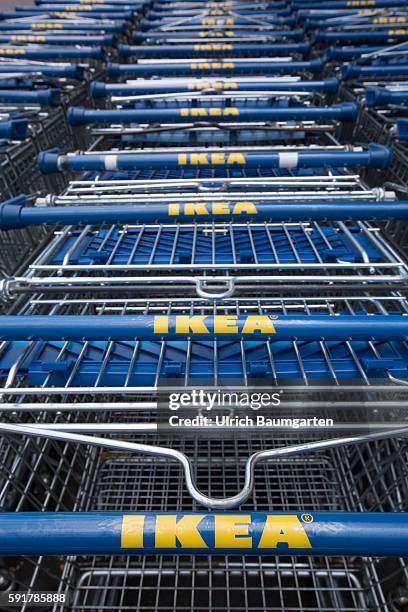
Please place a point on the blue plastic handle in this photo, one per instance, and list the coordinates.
(376, 156)
(379, 96)
(182, 13)
(350, 52)
(14, 214)
(388, 35)
(58, 25)
(354, 71)
(106, 39)
(45, 97)
(15, 129)
(345, 111)
(334, 4)
(98, 12)
(69, 71)
(141, 87)
(212, 49)
(361, 534)
(218, 68)
(96, 52)
(306, 327)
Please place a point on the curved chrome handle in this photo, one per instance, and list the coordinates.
(160, 451)
(229, 291)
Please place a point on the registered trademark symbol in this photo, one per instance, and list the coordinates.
(307, 518)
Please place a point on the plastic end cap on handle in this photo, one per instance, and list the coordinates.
(402, 129)
(380, 156)
(349, 71)
(124, 50)
(49, 97)
(316, 65)
(47, 161)
(10, 212)
(331, 85)
(109, 39)
(18, 129)
(98, 89)
(76, 115)
(113, 69)
(374, 96)
(349, 111)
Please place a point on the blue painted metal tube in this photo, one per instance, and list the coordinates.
(211, 49)
(96, 52)
(375, 156)
(46, 97)
(345, 111)
(100, 89)
(69, 71)
(198, 327)
(96, 11)
(54, 12)
(350, 52)
(359, 534)
(49, 26)
(402, 129)
(388, 35)
(367, 4)
(223, 28)
(107, 39)
(379, 96)
(15, 129)
(354, 71)
(14, 214)
(218, 68)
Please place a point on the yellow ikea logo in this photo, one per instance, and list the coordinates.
(214, 47)
(221, 531)
(22, 38)
(212, 85)
(384, 20)
(212, 208)
(398, 32)
(361, 3)
(12, 51)
(216, 34)
(212, 22)
(228, 111)
(212, 65)
(47, 26)
(218, 324)
(215, 159)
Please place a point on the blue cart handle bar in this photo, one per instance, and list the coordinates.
(201, 327)
(211, 113)
(14, 214)
(375, 156)
(223, 533)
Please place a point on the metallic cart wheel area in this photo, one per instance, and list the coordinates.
(204, 199)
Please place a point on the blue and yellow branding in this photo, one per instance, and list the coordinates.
(361, 2)
(12, 51)
(27, 38)
(397, 32)
(214, 47)
(47, 26)
(212, 65)
(218, 158)
(391, 20)
(217, 324)
(212, 111)
(219, 531)
(192, 209)
(210, 21)
(216, 34)
(217, 85)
